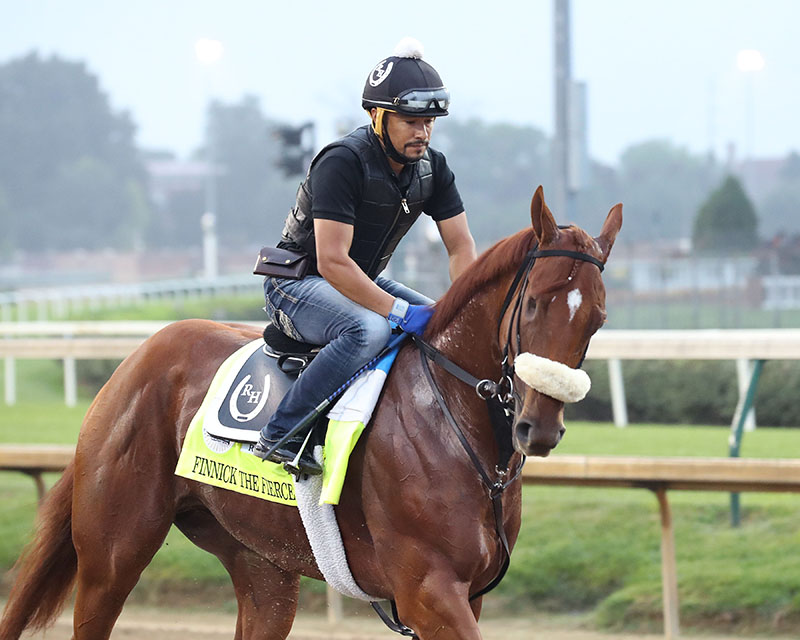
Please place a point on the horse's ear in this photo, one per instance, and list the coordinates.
(610, 229)
(542, 219)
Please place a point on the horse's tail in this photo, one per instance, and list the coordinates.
(47, 567)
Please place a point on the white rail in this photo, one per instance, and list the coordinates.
(69, 341)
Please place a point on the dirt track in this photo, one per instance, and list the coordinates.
(147, 624)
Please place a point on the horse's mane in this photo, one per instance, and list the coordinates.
(496, 261)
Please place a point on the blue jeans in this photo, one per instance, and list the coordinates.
(311, 310)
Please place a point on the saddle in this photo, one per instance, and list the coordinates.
(292, 356)
(252, 383)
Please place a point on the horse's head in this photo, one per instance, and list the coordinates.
(559, 308)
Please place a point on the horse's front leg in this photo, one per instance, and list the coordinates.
(437, 607)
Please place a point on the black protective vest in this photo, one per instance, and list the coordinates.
(383, 216)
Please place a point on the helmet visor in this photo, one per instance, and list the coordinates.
(423, 101)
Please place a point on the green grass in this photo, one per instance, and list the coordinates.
(588, 438)
(598, 549)
(696, 314)
(579, 549)
(48, 423)
(248, 306)
(244, 307)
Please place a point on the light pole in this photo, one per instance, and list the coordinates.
(208, 53)
(563, 82)
(750, 62)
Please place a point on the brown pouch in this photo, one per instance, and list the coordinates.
(281, 263)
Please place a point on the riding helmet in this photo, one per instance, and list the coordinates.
(405, 83)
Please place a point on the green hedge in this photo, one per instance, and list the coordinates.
(691, 392)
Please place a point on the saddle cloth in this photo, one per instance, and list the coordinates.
(218, 448)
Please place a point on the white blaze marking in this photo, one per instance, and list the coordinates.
(574, 299)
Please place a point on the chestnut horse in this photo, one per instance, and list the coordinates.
(416, 521)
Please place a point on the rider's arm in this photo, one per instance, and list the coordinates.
(338, 268)
(459, 243)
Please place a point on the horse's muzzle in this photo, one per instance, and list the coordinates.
(531, 438)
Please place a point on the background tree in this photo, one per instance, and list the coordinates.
(780, 209)
(662, 186)
(497, 169)
(726, 221)
(6, 223)
(70, 170)
(254, 195)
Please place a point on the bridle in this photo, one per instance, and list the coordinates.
(521, 281)
(501, 391)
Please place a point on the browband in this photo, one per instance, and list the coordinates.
(577, 255)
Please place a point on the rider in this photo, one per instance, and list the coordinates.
(361, 195)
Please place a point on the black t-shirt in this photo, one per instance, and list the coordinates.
(337, 184)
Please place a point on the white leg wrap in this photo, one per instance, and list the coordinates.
(552, 378)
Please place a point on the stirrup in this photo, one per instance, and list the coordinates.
(297, 467)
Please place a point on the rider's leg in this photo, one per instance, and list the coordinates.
(319, 314)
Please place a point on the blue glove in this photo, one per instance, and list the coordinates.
(416, 318)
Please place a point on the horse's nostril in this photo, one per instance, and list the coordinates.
(524, 429)
(561, 432)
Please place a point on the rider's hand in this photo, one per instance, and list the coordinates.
(414, 317)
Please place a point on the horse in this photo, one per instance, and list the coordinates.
(415, 517)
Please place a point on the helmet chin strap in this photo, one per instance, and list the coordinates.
(383, 135)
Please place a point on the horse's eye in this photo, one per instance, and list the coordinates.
(530, 304)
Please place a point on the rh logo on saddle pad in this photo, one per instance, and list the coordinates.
(245, 403)
(247, 394)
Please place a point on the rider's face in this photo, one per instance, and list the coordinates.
(410, 135)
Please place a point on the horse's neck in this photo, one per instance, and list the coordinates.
(471, 341)
(471, 338)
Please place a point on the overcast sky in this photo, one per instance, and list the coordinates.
(654, 69)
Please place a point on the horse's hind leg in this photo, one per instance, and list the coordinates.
(120, 519)
(267, 595)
